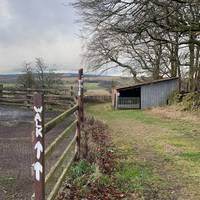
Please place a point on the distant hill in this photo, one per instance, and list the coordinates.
(12, 78)
(71, 74)
(8, 78)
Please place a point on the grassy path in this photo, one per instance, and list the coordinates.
(159, 157)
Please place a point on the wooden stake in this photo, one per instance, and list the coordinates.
(38, 147)
(1, 90)
(80, 116)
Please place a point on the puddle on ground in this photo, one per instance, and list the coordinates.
(13, 115)
(10, 116)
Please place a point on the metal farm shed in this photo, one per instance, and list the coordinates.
(144, 95)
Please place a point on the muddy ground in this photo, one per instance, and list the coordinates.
(16, 151)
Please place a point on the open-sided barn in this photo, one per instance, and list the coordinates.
(144, 95)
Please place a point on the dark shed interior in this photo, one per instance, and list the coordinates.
(129, 98)
(132, 92)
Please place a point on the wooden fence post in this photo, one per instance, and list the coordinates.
(38, 145)
(1, 90)
(72, 90)
(80, 95)
(72, 94)
(80, 116)
(28, 98)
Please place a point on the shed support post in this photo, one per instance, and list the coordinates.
(116, 97)
(113, 97)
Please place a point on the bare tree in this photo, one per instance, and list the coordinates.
(26, 79)
(39, 75)
(143, 37)
(45, 75)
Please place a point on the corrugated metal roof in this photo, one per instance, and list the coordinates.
(146, 83)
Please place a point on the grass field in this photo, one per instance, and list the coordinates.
(95, 89)
(97, 85)
(159, 151)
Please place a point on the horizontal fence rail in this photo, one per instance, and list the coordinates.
(97, 98)
(42, 153)
(50, 149)
(53, 98)
(59, 139)
(62, 157)
(59, 119)
(60, 180)
(53, 91)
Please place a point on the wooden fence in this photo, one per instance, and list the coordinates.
(58, 98)
(42, 153)
(97, 98)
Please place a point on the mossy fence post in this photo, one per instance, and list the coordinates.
(80, 116)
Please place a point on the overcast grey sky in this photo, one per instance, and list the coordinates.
(38, 28)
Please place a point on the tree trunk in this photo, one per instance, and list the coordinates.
(156, 70)
(191, 70)
(197, 69)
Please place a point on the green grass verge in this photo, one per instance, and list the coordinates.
(159, 157)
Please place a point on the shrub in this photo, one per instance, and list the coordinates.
(188, 102)
(80, 168)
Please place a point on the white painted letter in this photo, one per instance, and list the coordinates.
(37, 117)
(38, 110)
(39, 131)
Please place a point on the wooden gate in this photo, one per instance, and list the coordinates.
(53, 98)
(128, 102)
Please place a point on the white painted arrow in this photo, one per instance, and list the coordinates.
(38, 169)
(39, 148)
